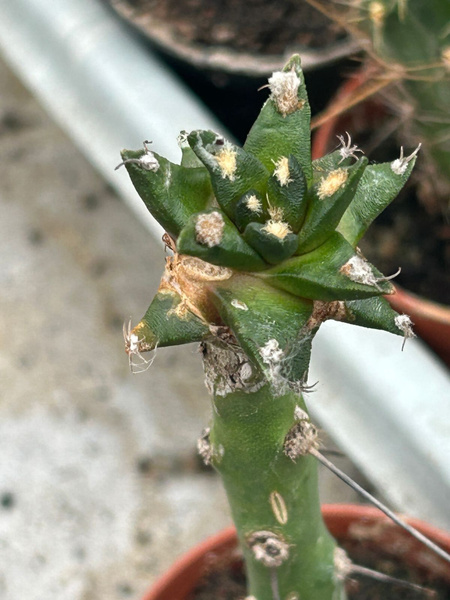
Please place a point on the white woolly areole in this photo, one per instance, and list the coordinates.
(330, 184)
(284, 90)
(133, 344)
(226, 160)
(277, 228)
(300, 414)
(254, 204)
(400, 165)
(238, 304)
(268, 548)
(404, 323)
(281, 171)
(273, 356)
(134, 347)
(271, 352)
(149, 162)
(359, 270)
(209, 229)
(343, 566)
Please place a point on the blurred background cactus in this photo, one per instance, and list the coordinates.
(407, 46)
(263, 245)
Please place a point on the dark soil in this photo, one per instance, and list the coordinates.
(255, 26)
(227, 582)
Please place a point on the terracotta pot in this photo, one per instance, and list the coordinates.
(345, 522)
(431, 319)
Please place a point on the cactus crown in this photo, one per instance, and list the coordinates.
(264, 238)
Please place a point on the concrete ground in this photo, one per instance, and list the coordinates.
(100, 486)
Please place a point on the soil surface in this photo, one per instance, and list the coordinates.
(227, 582)
(254, 26)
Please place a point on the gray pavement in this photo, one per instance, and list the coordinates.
(100, 487)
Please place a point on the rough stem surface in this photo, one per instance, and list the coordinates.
(270, 494)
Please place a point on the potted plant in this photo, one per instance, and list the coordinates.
(264, 250)
(405, 86)
(232, 38)
(367, 535)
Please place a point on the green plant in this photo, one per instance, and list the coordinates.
(264, 245)
(407, 45)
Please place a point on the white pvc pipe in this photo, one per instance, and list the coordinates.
(99, 83)
(390, 411)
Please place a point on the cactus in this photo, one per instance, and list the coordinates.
(264, 249)
(408, 44)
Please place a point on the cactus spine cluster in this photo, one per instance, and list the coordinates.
(264, 245)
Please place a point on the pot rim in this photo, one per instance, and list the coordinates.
(342, 516)
(427, 308)
(233, 62)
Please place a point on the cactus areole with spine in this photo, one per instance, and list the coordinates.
(264, 249)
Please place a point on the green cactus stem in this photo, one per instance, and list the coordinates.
(264, 250)
(285, 534)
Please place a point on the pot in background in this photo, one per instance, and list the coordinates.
(235, 38)
(351, 524)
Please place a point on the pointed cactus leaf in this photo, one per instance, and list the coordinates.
(232, 170)
(211, 236)
(283, 125)
(333, 271)
(270, 325)
(328, 200)
(251, 208)
(168, 322)
(377, 188)
(377, 313)
(273, 240)
(188, 157)
(266, 238)
(171, 193)
(286, 190)
(323, 165)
